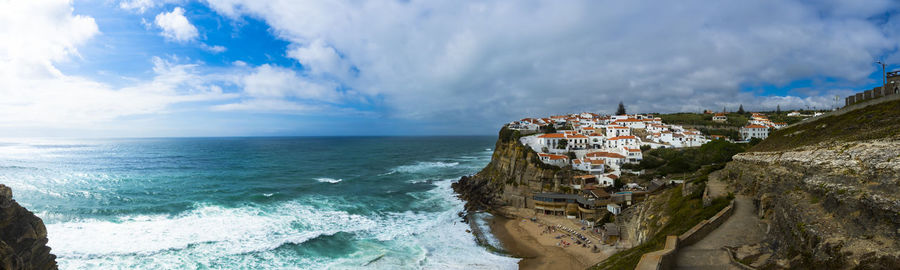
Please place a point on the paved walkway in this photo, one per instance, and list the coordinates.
(743, 227)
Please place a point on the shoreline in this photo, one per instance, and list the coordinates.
(522, 238)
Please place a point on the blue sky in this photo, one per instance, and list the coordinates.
(139, 68)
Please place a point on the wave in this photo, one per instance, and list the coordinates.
(205, 231)
(329, 180)
(423, 166)
(252, 236)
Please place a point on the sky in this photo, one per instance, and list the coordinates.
(178, 68)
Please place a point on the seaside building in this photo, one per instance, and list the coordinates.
(610, 233)
(591, 166)
(754, 131)
(558, 160)
(569, 205)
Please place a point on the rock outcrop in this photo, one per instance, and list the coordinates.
(834, 205)
(23, 237)
(512, 176)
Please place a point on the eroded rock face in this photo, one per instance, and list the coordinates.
(23, 237)
(510, 179)
(836, 205)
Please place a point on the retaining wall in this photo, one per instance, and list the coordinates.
(664, 259)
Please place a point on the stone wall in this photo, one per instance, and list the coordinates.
(665, 259)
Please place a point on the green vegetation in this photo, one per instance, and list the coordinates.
(733, 134)
(562, 144)
(548, 129)
(699, 119)
(508, 135)
(873, 122)
(683, 212)
(621, 109)
(782, 117)
(667, 161)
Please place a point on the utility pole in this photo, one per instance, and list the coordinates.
(883, 76)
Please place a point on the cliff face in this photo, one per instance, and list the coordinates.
(833, 205)
(23, 237)
(512, 176)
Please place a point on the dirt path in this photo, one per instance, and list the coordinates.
(743, 227)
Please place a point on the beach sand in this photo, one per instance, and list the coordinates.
(522, 238)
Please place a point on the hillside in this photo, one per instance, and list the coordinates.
(514, 174)
(873, 122)
(830, 190)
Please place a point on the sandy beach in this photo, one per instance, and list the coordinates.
(523, 238)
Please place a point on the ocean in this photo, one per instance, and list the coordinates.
(252, 203)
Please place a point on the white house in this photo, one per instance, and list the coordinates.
(633, 155)
(622, 141)
(630, 123)
(610, 159)
(720, 118)
(558, 160)
(591, 166)
(754, 131)
(615, 131)
(615, 209)
(596, 140)
(551, 140)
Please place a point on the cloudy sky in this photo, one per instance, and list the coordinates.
(142, 68)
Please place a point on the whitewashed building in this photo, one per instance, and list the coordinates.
(754, 131)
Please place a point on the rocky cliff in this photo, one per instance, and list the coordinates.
(512, 176)
(23, 237)
(831, 205)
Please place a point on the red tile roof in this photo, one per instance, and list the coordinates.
(604, 154)
(553, 135)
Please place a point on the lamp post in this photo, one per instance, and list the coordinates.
(883, 76)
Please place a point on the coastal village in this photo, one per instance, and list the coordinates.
(598, 147)
(592, 186)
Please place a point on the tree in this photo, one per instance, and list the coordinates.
(618, 184)
(562, 144)
(741, 109)
(548, 128)
(621, 109)
(778, 109)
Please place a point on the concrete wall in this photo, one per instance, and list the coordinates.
(665, 258)
(705, 227)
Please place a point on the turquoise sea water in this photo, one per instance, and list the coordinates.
(252, 203)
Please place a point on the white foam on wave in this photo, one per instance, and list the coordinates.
(203, 234)
(423, 166)
(434, 239)
(329, 180)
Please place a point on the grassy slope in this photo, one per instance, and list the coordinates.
(734, 120)
(873, 122)
(683, 212)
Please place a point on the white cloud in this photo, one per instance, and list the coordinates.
(320, 59)
(213, 49)
(142, 6)
(497, 60)
(269, 88)
(176, 26)
(38, 95)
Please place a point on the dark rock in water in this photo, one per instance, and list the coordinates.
(23, 237)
